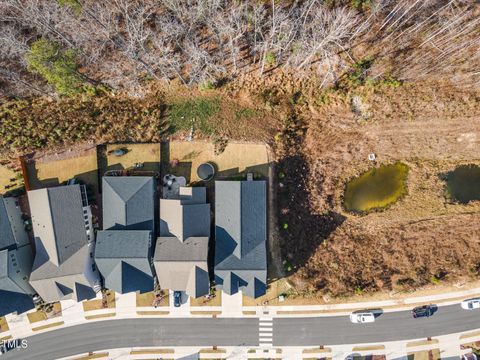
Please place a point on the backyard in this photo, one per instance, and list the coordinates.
(10, 177)
(182, 158)
(145, 156)
(47, 170)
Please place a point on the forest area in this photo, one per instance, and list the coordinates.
(324, 82)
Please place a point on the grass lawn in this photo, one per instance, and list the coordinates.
(3, 324)
(274, 290)
(147, 299)
(54, 172)
(150, 313)
(93, 356)
(234, 162)
(41, 315)
(99, 316)
(48, 326)
(8, 178)
(148, 154)
(195, 112)
(202, 301)
(317, 350)
(97, 303)
(424, 355)
(152, 351)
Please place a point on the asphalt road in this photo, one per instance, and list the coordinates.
(387, 327)
(292, 331)
(112, 334)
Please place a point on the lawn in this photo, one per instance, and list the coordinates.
(93, 356)
(202, 301)
(425, 355)
(9, 179)
(45, 172)
(3, 324)
(147, 154)
(274, 290)
(196, 112)
(147, 299)
(97, 304)
(48, 326)
(183, 159)
(41, 315)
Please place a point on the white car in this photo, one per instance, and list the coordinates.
(362, 317)
(471, 304)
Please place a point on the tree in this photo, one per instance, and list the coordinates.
(57, 66)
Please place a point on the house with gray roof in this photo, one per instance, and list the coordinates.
(128, 202)
(16, 259)
(123, 251)
(63, 267)
(240, 237)
(182, 249)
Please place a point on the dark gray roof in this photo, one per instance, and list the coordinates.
(123, 259)
(67, 217)
(7, 237)
(15, 291)
(128, 202)
(59, 229)
(123, 244)
(172, 249)
(240, 236)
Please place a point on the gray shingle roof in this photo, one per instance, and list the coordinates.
(184, 220)
(15, 291)
(182, 249)
(62, 250)
(128, 202)
(123, 244)
(171, 249)
(240, 236)
(59, 229)
(7, 237)
(123, 259)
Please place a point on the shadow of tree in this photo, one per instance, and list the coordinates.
(301, 230)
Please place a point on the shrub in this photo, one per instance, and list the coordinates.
(270, 59)
(56, 65)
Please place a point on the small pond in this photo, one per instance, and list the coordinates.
(463, 183)
(376, 188)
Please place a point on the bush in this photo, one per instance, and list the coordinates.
(56, 65)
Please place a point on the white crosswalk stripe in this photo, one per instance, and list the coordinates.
(265, 331)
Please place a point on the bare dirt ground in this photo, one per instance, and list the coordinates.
(419, 241)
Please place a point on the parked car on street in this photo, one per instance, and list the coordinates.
(177, 298)
(423, 311)
(362, 317)
(471, 304)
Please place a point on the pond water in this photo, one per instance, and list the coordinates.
(376, 188)
(463, 184)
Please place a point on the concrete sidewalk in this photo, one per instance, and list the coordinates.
(232, 306)
(449, 347)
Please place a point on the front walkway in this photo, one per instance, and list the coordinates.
(232, 305)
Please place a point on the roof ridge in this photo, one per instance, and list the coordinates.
(57, 263)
